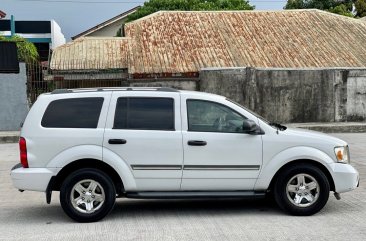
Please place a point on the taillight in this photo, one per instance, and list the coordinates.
(23, 152)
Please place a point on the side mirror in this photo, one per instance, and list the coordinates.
(250, 127)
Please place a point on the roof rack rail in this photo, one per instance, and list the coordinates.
(61, 91)
(163, 89)
(167, 89)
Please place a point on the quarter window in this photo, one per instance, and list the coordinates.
(73, 113)
(144, 113)
(207, 116)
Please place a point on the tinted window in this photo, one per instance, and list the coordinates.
(5, 25)
(33, 26)
(144, 114)
(73, 113)
(206, 116)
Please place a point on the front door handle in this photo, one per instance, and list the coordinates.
(197, 143)
(117, 141)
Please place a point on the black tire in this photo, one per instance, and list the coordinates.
(283, 198)
(82, 176)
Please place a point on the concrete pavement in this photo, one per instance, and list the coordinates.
(26, 216)
(332, 127)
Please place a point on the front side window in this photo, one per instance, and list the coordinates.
(142, 113)
(73, 113)
(207, 116)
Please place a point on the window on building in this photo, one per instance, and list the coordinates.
(33, 27)
(9, 62)
(73, 113)
(144, 113)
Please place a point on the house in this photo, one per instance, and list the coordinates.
(45, 35)
(289, 66)
(180, 44)
(185, 42)
(108, 28)
(91, 62)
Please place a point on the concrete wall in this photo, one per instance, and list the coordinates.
(356, 95)
(293, 95)
(180, 84)
(13, 100)
(282, 95)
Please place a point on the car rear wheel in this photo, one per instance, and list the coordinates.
(301, 190)
(87, 195)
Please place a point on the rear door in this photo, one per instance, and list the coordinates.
(146, 133)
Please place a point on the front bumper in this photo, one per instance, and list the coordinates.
(345, 177)
(33, 179)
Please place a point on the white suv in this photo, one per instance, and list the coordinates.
(94, 145)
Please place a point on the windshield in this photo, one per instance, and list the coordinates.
(251, 112)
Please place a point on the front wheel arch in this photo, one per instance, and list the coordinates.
(306, 162)
(301, 190)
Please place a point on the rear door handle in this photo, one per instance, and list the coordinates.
(117, 141)
(197, 143)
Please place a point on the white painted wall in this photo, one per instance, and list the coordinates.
(34, 35)
(107, 31)
(57, 36)
(5, 33)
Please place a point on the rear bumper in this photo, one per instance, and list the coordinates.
(345, 177)
(33, 179)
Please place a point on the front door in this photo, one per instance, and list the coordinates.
(145, 132)
(218, 156)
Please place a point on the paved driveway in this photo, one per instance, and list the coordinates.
(26, 216)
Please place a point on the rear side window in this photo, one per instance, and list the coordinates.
(73, 113)
(144, 113)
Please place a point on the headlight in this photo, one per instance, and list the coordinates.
(342, 154)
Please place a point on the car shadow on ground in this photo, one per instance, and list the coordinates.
(127, 208)
(173, 207)
(131, 208)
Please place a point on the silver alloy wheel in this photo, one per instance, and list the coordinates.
(302, 190)
(87, 196)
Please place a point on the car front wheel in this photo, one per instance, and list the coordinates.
(301, 190)
(87, 195)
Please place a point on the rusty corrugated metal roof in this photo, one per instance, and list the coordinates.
(183, 42)
(88, 53)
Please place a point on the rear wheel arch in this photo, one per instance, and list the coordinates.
(306, 162)
(88, 163)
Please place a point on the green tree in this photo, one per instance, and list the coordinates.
(341, 10)
(295, 4)
(152, 6)
(27, 52)
(360, 6)
(344, 7)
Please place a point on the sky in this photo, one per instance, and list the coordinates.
(74, 16)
